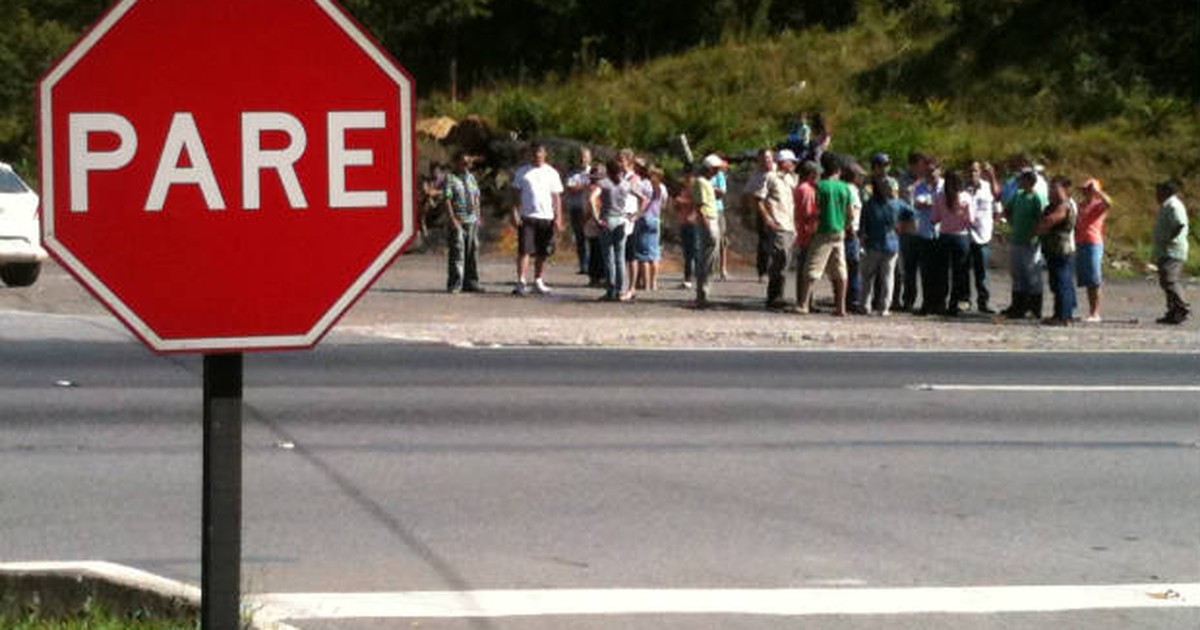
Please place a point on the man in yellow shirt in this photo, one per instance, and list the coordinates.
(705, 198)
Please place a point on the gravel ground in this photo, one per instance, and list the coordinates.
(409, 303)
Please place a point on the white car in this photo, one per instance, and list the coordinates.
(21, 253)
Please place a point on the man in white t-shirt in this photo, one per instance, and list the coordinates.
(983, 190)
(537, 216)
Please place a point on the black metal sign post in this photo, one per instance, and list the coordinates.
(221, 555)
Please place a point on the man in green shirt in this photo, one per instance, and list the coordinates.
(1025, 262)
(1171, 250)
(827, 250)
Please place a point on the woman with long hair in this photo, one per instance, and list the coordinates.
(953, 211)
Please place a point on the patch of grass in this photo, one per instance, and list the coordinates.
(95, 617)
(741, 94)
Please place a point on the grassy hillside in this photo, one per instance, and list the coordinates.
(868, 80)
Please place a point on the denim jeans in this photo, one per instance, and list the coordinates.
(612, 251)
(1062, 284)
(463, 257)
(689, 236)
(979, 267)
(955, 252)
(854, 283)
(917, 258)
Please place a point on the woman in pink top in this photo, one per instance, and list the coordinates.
(1089, 243)
(953, 211)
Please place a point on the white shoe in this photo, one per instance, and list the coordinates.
(540, 287)
(685, 285)
(1093, 319)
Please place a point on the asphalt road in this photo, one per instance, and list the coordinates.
(374, 467)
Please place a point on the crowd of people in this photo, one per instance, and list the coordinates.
(884, 237)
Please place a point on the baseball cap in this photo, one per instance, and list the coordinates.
(785, 155)
(880, 158)
(712, 160)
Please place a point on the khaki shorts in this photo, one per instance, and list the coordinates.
(826, 255)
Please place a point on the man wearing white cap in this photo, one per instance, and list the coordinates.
(774, 200)
(705, 199)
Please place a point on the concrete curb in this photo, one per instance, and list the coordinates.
(62, 587)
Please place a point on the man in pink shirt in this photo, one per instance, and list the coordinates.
(806, 215)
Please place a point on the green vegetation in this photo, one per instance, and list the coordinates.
(896, 80)
(1101, 88)
(95, 618)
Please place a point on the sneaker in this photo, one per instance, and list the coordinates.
(540, 287)
(686, 285)
(885, 313)
(520, 289)
(1093, 319)
(1173, 319)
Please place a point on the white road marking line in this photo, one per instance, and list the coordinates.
(772, 602)
(1098, 389)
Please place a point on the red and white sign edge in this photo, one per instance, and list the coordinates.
(228, 344)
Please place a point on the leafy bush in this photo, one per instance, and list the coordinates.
(892, 129)
(522, 112)
(892, 83)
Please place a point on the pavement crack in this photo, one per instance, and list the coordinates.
(393, 524)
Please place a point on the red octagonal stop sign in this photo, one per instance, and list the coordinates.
(227, 175)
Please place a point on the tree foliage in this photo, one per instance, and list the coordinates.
(1092, 53)
(32, 35)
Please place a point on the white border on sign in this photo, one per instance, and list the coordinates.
(406, 177)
